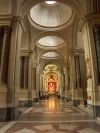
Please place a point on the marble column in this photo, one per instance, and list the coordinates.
(61, 84)
(95, 50)
(66, 82)
(21, 72)
(96, 6)
(26, 72)
(63, 88)
(27, 65)
(90, 39)
(30, 72)
(78, 90)
(41, 80)
(14, 70)
(70, 78)
(76, 100)
(37, 81)
(34, 89)
(30, 80)
(4, 56)
(25, 93)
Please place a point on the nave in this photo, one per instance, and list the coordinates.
(52, 115)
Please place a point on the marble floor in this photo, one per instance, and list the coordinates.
(52, 116)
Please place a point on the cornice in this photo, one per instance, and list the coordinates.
(5, 19)
(16, 19)
(24, 52)
(77, 51)
(93, 18)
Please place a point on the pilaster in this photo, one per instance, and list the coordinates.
(4, 56)
(78, 92)
(90, 38)
(14, 70)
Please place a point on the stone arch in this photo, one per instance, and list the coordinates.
(54, 33)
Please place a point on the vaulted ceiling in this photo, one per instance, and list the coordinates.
(51, 15)
(52, 26)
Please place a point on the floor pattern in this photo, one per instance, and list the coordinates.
(30, 127)
(51, 116)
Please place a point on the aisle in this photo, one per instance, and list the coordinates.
(52, 116)
(53, 110)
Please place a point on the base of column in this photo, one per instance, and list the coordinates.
(35, 100)
(12, 113)
(97, 109)
(68, 99)
(76, 102)
(3, 114)
(26, 103)
(94, 110)
(8, 114)
(3, 100)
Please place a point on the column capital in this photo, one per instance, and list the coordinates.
(78, 51)
(16, 20)
(35, 65)
(91, 19)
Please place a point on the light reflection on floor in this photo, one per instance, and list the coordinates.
(52, 105)
(52, 115)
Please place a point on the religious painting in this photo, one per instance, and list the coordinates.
(51, 87)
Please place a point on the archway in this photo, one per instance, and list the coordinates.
(51, 85)
(13, 80)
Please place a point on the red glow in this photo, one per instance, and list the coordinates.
(51, 86)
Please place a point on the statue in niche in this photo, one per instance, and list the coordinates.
(88, 68)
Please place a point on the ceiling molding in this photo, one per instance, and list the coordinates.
(5, 19)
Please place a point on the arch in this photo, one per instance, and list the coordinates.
(51, 77)
(50, 41)
(58, 53)
(52, 33)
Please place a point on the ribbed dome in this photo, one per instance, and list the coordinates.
(51, 41)
(50, 15)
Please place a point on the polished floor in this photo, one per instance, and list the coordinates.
(52, 116)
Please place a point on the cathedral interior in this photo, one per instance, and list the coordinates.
(49, 66)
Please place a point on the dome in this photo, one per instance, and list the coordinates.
(50, 15)
(51, 41)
